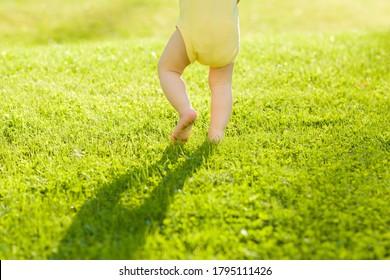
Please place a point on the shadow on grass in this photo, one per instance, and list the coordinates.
(104, 228)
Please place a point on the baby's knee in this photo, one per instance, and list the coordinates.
(162, 68)
(218, 82)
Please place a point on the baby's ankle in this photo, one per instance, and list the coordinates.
(215, 136)
(191, 113)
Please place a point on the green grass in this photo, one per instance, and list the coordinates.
(27, 22)
(87, 171)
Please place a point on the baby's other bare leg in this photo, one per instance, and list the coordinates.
(220, 81)
(172, 63)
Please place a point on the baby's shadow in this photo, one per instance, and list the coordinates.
(105, 228)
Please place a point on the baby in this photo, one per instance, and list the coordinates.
(208, 32)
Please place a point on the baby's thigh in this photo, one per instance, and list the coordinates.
(221, 75)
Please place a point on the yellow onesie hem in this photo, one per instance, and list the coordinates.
(188, 45)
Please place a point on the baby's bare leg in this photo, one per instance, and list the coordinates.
(220, 81)
(170, 68)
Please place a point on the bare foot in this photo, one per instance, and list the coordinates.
(183, 128)
(215, 136)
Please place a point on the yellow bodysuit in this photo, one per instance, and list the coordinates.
(210, 29)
